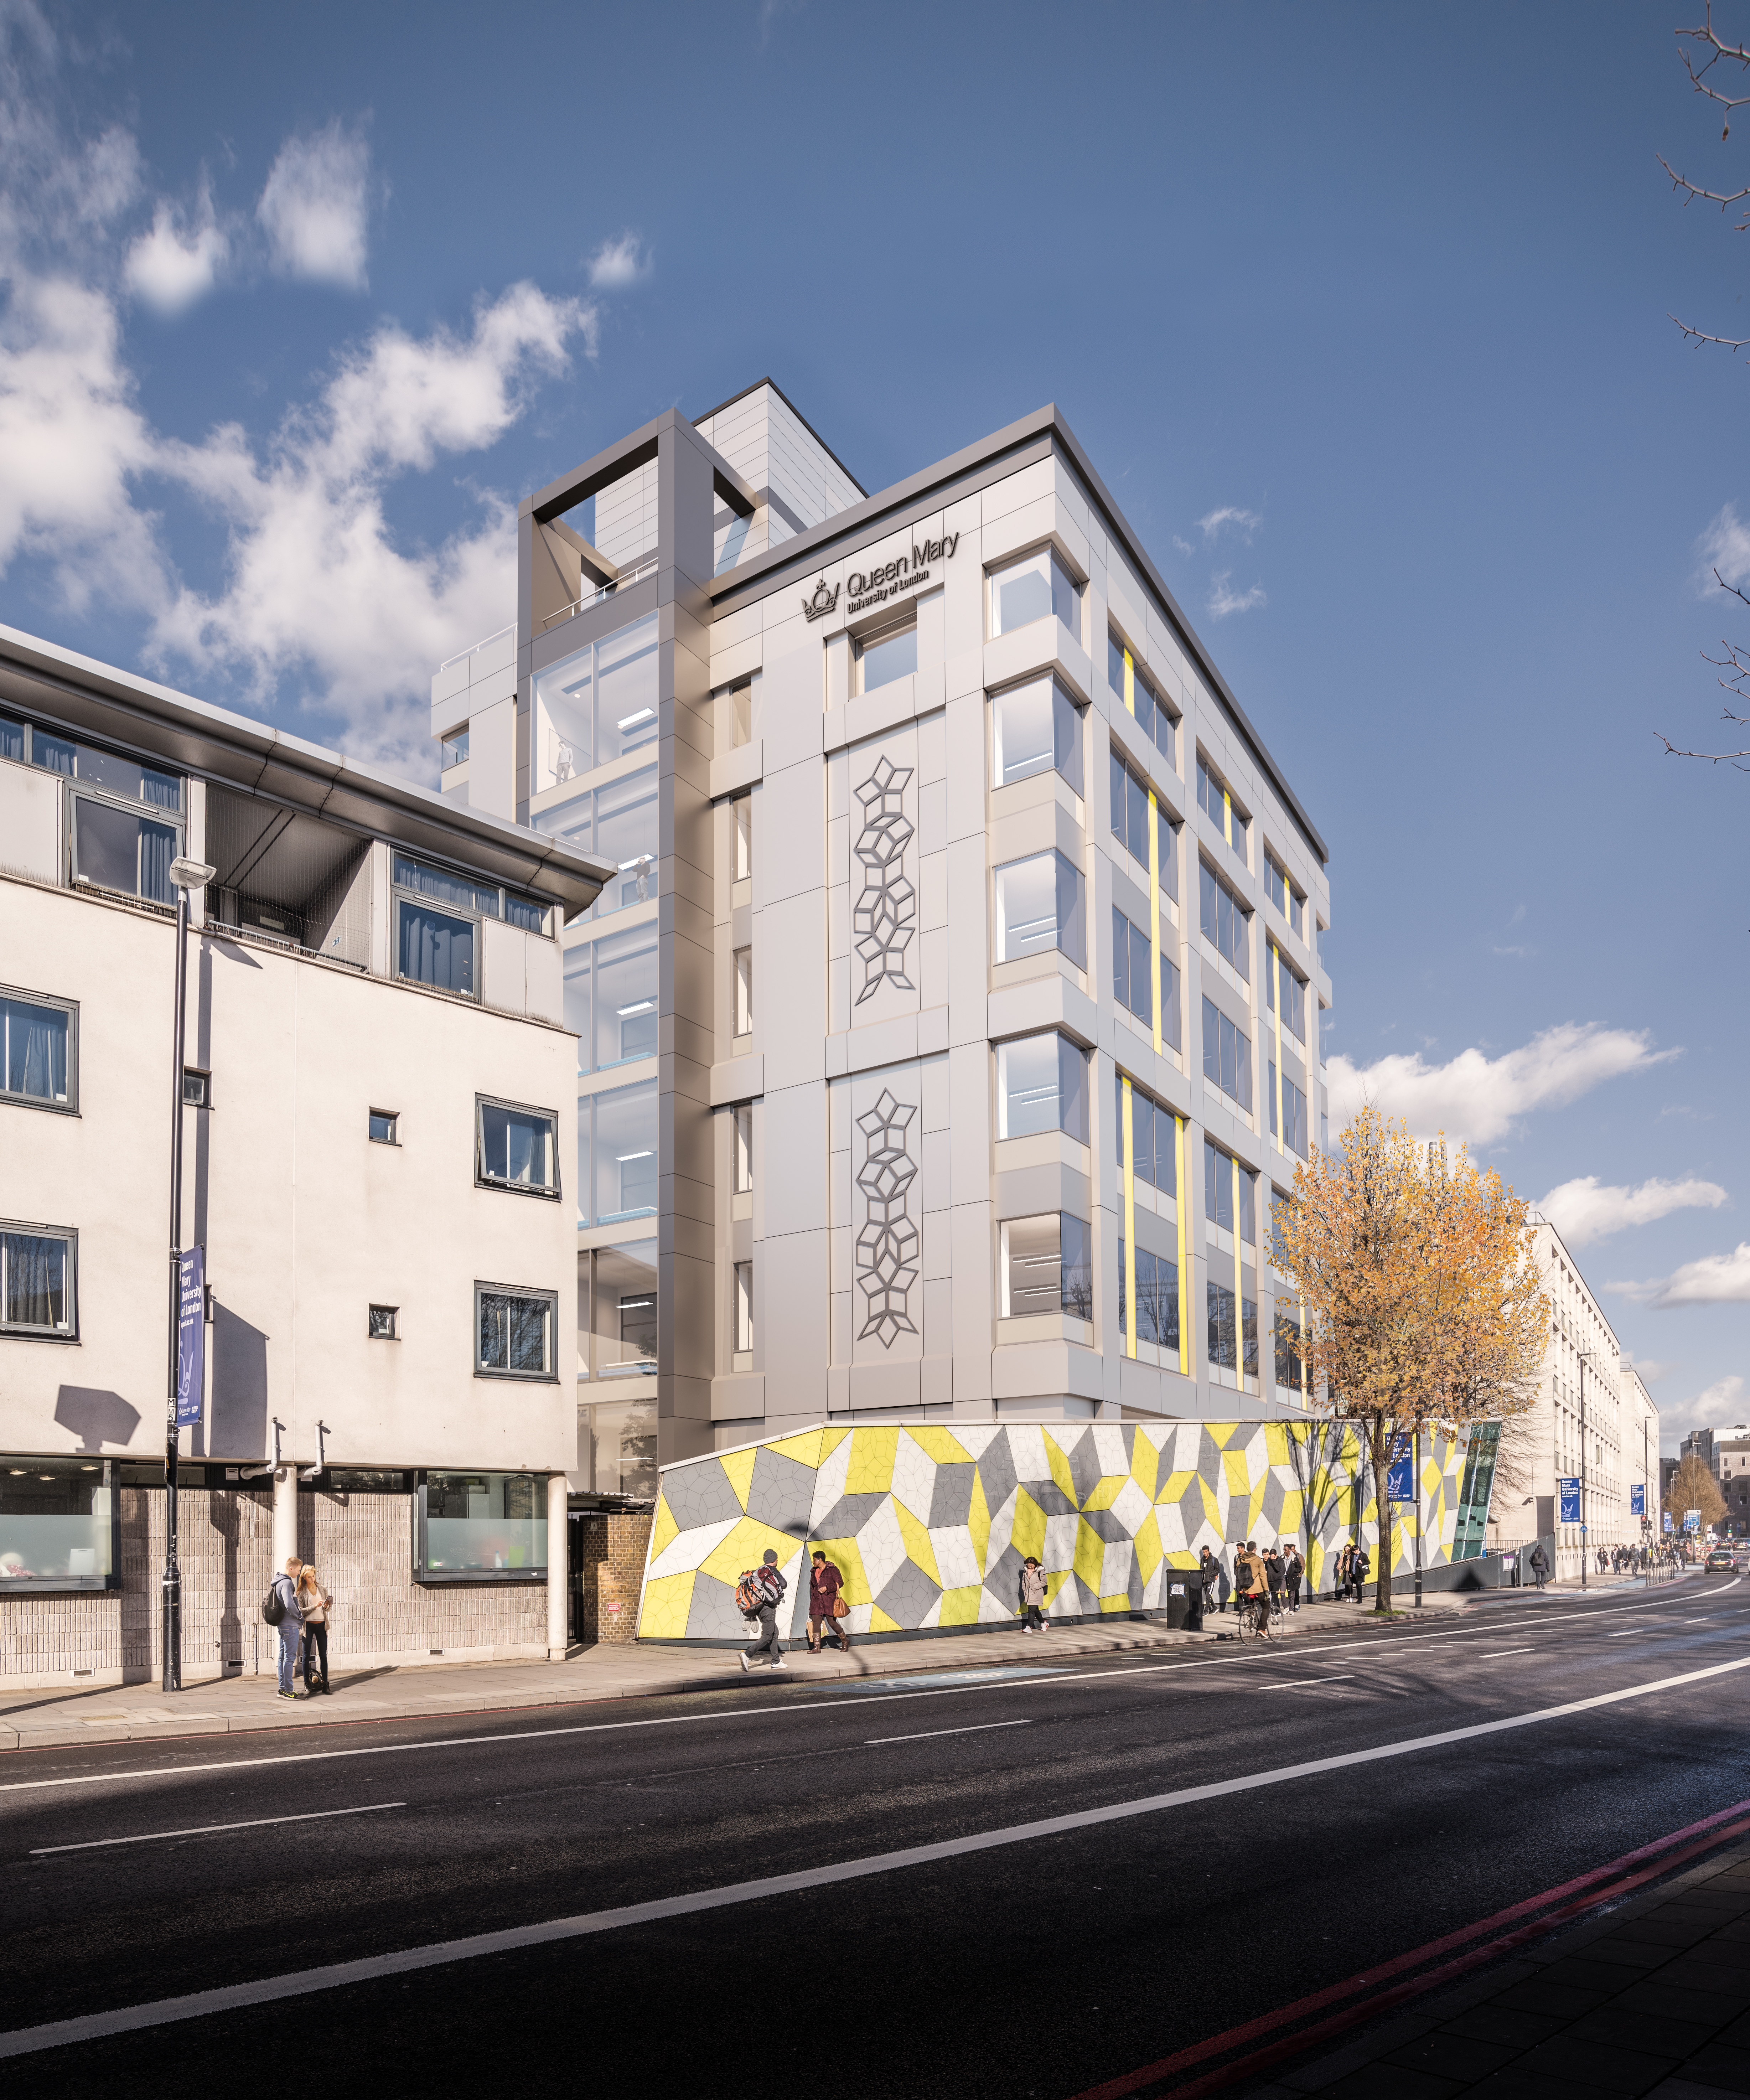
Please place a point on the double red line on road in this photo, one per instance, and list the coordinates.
(1555, 1907)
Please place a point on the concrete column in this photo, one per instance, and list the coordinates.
(284, 1515)
(558, 1601)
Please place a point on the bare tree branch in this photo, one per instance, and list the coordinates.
(1733, 588)
(1717, 48)
(1698, 336)
(1693, 190)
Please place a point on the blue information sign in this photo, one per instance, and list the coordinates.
(1400, 1480)
(1667, 1519)
(1637, 1501)
(190, 1336)
(1570, 1500)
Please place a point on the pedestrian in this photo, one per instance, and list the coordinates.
(766, 1584)
(291, 1625)
(1340, 1582)
(1358, 1572)
(1032, 1589)
(1209, 1569)
(1274, 1573)
(1540, 1564)
(1296, 1568)
(1251, 1581)
(824, 1584)
(314, 1605)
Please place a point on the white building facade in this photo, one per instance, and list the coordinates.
(950, 1018)
(378, 1108)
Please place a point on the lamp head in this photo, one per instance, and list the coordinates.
(190, 874)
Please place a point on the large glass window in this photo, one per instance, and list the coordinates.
(1216, 801)
(12, 735)
(1047, 1266)
(1132, 968)
(1220, 1169)
(57, 1525)
(126, 779)
(436, 949)
(1154, 1147)
(882, 658)
(624, 1311)
(1039, 907)
(114, 848)
(741, 813)
(39, 1052)
(1294, 1113)
(1288, 1351)
(1232, 1344)
(598, 705)
(743, 1338)
(1042, 1084)
(1226, 1056)
(38, 1283)
(616, 823)
(475, 1525)
(1170, 1002)
(515, 1332)
(1227, 924)
(1036, 728)
(1294, 993)
(1034, 588)
(1131, 819)
(1133, 690)
(517, 1148)
(618, 1171)
(446, 885)
(611, 991)
(1156, 1298)
(744, 1150)
(1284, 895)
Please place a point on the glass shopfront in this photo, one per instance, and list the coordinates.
(58, 1524)
(481, 1528)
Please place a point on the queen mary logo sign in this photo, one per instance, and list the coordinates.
(823, 601)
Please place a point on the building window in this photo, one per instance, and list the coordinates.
(382, 1326)
(1039, 907)
(1047, 1266)
(1036, 728)
(743, 1308)
(1294, 993)
(1215, 798)
(598, 704)
(620, 1130)
(1133, 690)
(59, 1524)
(1294, 1113)
(1034, 588)
(1225, 921)
(1132, 819)
(745, 992)
(741, 714)
(1282, 893)
(1132, 973)
(616, 823)
(39, 1051)
(1220, 1171)
(115, 849)
(1042, 1084)
(124, 780)
(436, 946)
(1154, 1135)
(744, 1149)
(1232, 1347)
(197, 1087)
(473, 1527)
(452, 750)
(890, 654)
(1226, 1056)
(385, 1127)
(610, 997)
(741, 812)
(514, 1332)
(516, 1148)
(1289, 1366)
(39, 1282)
(436, 949)
(1156, 1298)
(623, 1319)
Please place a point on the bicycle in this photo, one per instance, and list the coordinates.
(1252, 1618)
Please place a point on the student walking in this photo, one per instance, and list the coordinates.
(1540, 1564)
(1294, 1571)
(291, 1625)
(314, 1604)
(1032, 1586)
(825, 1613)
(1209, 1568)
(769, 1585)
(1359, 1567)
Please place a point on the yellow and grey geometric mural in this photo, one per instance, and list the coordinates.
(928, 1526)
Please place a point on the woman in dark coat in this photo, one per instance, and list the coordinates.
(824, 1584)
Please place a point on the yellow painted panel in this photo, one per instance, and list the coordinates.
(829, 1442)
(880, 1623)
(960, 1607)
(1236, 1472)
(941, 1445)
(1276, 1436)
(871, 1467)
(1145, 1462)
(665, 1528)
(744, 1547)
(1090, 1557)
(1221, 1434)
(1129, 681)
(846, 1556)
(1211, 1505)
(1054, 1584)
(667, 1603)
(1106, 1490)
(1027, 1533)
(978, 1524)
(1149, 1545)
(916, 1536)
(737, 1467)
(804, 1449)
(1288, 1523)
(1174, 1486)
(1121, 1603)
(1060, 1466)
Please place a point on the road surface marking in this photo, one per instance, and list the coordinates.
(975, 1728)
(1495, 1654)
(205, 1829)
(304, 1983)
(1296, 1683)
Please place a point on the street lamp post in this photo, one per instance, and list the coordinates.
(187, 875)
(1585, 1357)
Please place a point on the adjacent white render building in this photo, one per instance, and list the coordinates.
(950, 1018)
(379, 1108)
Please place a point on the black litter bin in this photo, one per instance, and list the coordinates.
(1185, 1599)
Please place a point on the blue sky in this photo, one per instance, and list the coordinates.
(1362, 313)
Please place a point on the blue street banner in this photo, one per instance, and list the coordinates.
(1667, 1519)
(1692, 1519)
(1570, 1500)
(190, 1336)
(1400, 1479)
(1637, 1501)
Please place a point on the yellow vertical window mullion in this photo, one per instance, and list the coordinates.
(1184, 1282)
(1239, 1286)
(1275, 965)
(1129, 1228)
(1227, 816)
(1154, 906)
(1129, 681)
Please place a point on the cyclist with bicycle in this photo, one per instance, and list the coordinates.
(1252, 1580)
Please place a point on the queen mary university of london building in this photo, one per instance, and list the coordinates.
(949, 1023)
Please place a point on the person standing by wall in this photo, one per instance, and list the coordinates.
(1209, 1569)
(1295, 1568)
(314, 1604)
(291, 1624)
(1032, 1588)
(824, 1584)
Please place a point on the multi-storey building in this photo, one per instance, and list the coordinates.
(951, 1017)
(377, 1108)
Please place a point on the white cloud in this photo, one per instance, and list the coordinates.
(1651, 1368)
(1719, 1405)
(169, 268)
(1716, 1279)
(1224, 599)
(1725, 546)
(1230, 518)
(1184, 546)
(618, 263)
(1588, 1210)
(315, 204)
(1478, 1098)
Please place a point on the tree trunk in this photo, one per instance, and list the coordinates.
(1380, 1444)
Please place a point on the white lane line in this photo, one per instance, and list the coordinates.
(302, 1982)
(1627, 1633)
(205, 1829)
(1496, 1653)
(975, 1728)
(1296, 1683)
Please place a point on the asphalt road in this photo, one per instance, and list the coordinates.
(131, 1874)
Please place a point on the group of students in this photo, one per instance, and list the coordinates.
(1275, 1573)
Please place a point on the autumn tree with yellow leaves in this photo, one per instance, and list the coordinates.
(1424, 1305)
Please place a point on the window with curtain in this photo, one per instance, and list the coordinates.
(517, 1148)
(116, 849)
(436, 949)
(38, 1052)
(37, 1272)
(515, 1332)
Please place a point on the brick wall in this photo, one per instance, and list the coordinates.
(610, 1550)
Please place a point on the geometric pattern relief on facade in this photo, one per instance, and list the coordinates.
(887, 909)
(887, 1247)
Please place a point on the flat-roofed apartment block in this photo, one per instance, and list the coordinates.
(949, 1023)
(378, 1110)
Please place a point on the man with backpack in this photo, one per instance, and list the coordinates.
(759, 1592)
(281, 1608)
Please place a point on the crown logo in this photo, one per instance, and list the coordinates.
(823, 601)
